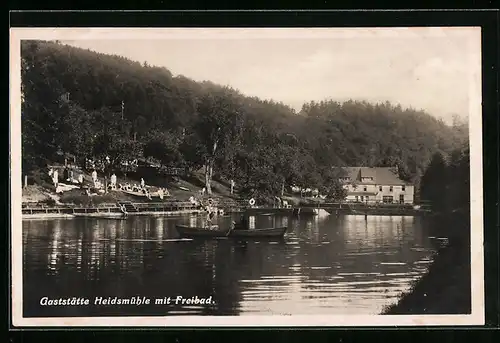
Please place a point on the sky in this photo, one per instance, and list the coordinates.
(422, 68)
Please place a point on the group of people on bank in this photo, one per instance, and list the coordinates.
(70, 182)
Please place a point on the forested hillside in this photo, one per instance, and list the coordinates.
(95, 105)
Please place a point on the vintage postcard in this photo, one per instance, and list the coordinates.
(246, 177)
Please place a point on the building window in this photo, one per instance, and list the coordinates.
(390, 189)
(380, 188)
(364, 188)
(403, 188)
(387, 199)
(401, 198)
(357, 198)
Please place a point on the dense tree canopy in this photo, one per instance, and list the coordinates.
(446, 181)
(94, 105)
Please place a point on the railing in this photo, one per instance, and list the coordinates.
(106, 208)
(359, 205)
(164, 207)
(69, 210)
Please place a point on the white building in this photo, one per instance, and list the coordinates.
(376, 185)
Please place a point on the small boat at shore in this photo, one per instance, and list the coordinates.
(214, 232)
(107, 215)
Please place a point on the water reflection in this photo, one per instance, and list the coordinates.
(326, 264)
(251, 222)
(193, 221)
(79, 251)
(159, 231)
(54, 256)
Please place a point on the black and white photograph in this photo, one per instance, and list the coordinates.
(246, 176)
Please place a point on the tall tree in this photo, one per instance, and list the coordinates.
(164, 147)
(113, 140)
(77, 132)
(434, 182)
(218, 127)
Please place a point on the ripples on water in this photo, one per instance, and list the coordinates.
(325, 265)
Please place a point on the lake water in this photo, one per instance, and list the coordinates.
(324, 265)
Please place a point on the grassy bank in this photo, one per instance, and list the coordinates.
(41, 190)
(445, 288)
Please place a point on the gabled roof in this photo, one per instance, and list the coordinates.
(380, 175)
(351, 172)
(386, 176)
(368, 172)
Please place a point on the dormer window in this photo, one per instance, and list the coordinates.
(390, 189)
(403, 188)
(364, 189)
(380, 188)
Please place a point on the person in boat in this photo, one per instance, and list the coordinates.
(210, 217)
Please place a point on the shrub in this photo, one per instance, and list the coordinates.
(78, 197)
(48, 202)
(40, 178)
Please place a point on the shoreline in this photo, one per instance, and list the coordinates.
(446, 287)
(47, 215)
(137, 214)
(185, 207)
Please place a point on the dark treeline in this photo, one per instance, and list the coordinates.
(93, 105)
(446, 182)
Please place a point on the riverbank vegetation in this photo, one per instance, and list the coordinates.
(446, 288)
(90, 105)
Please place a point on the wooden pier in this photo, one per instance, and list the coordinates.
(175, 206)
(141, 209)
(371, 209)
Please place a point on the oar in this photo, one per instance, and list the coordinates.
(229, 231)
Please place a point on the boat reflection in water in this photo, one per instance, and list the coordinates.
(324, 265)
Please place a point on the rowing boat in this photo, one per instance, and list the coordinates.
(192, 232)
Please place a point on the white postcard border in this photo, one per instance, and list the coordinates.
(476, 184)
